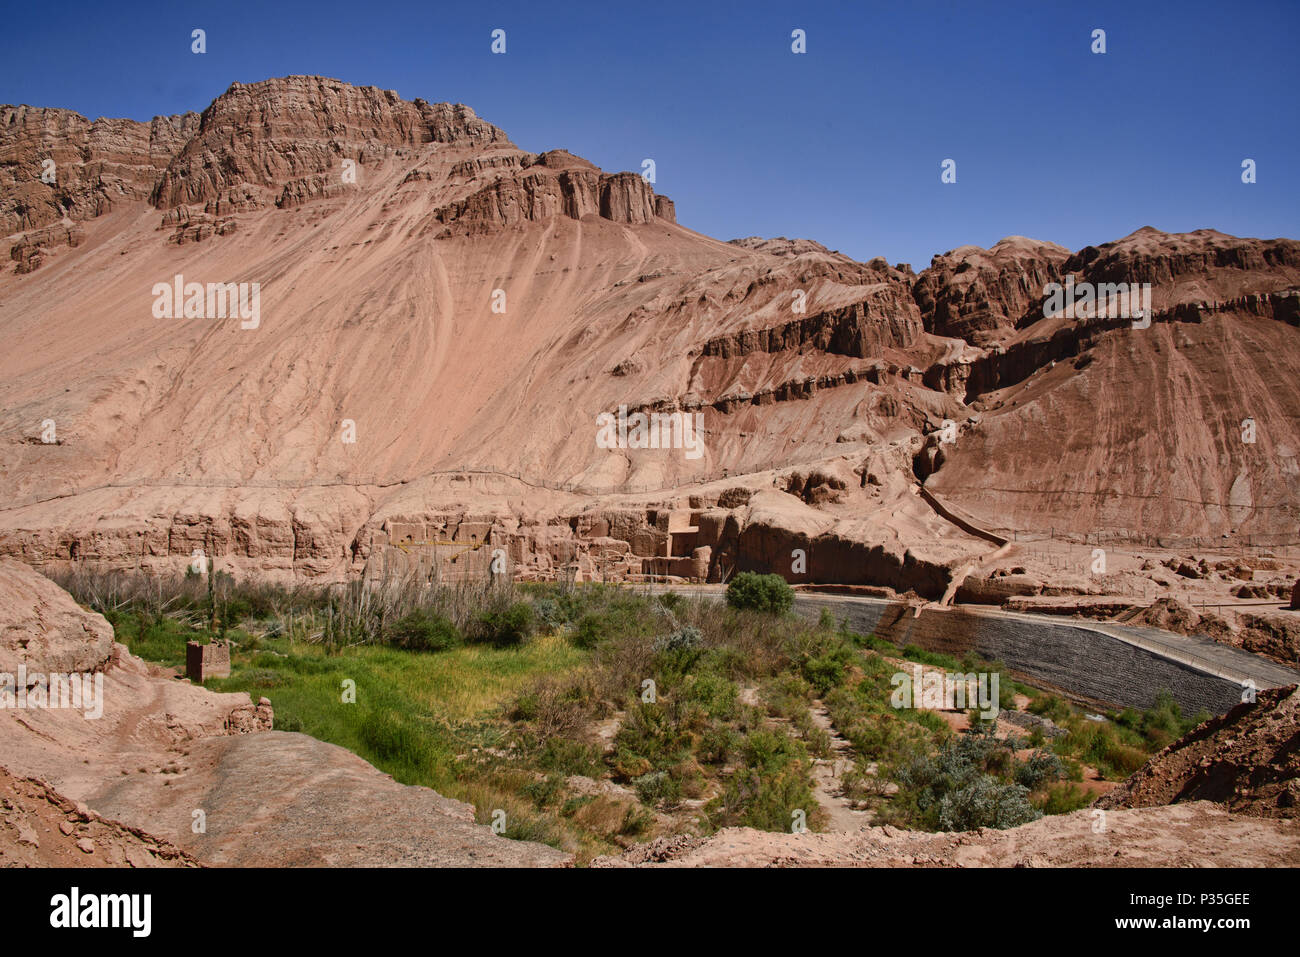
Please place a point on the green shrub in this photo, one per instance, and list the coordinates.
(423, 630)
(686, 638)
(771, 784)
(717, 695)
(986, 803)
(957, 782)
(1064, 798)
(544, 791)
(505, 627)
(657, 787)
(570, 757)
(588, 632)
(754, 592)
(550, 613)
(1038, 769)
(716, 745)
(670, 600)
(1048, 705)
(827, 671)
(650, 739)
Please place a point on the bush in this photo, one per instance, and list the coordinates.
(1047, 705)
(1040, 768)
(615, 616)
(986, 803)
(717, 745)
(423, 631)
(566, 756)
(754, 592)
(657, 787)
(588, 632)
(686, 638)
(506, 627)
(550, 613)
(770, 785)
(715, 694)
(827, 671)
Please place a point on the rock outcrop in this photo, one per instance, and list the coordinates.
(58, 168)
(39, 827)
(554, 184)
(982, 295)
(42, 629)
(96, 165)
(257, 139)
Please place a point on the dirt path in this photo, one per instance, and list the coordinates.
(827, 773)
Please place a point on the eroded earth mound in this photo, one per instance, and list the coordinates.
(1248, 760)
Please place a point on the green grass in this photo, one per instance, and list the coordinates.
(419, 716)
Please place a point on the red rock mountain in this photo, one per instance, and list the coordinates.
(458, 303)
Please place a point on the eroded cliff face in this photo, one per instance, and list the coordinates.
(1204, 265)
(982, 295)
(96, 164)
(866, 329)
(537, 188)
(57, 169)
(286, 141)
(255, 140)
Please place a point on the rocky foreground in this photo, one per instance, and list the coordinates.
(1247, 760)
(1200, 834)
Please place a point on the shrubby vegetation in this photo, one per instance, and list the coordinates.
(754, 592)
(597, 715)
(1120, 745)
(973, 781)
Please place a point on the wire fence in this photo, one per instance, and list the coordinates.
(376, 480)
(1282, 544)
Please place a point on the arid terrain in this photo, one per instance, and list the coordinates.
(435, 322)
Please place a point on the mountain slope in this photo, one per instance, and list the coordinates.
(453, 301)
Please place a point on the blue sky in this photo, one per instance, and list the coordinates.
(842, 144)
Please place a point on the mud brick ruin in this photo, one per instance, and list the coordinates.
(204, 661)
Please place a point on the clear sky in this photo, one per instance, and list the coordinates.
(842, 144)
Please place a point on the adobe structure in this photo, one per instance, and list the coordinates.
(204, 661)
